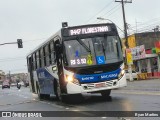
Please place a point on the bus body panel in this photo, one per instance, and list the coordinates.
(98, 85)
(75, 89)
(45, 78)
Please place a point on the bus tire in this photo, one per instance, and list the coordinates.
(47, 96)
(58, 92)
(106, 93)
(40, 96)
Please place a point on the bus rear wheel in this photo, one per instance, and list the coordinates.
(58, 92)
(40, 96)
(106, 93)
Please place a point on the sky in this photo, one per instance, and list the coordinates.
(34, 21)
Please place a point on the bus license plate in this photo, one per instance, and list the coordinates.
(100, 85)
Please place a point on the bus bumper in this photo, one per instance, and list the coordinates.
(95, 87)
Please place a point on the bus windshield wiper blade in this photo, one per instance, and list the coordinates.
(84, 45)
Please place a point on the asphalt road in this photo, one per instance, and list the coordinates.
(137, 96)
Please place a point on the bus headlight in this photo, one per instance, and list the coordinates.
(121, 74)
(70, 78)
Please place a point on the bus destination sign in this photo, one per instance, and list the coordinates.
(88, 30)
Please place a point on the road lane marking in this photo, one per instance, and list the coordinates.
(104, 117)
(21, 102)
(137, 92)
(58, 106)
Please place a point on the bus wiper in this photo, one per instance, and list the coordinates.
(104, 50)
(84, 45)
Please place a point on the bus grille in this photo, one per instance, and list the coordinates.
(104, 84)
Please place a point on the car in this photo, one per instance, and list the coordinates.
(134, 75)
(5, 84)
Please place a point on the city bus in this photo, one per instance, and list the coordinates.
(76, 60)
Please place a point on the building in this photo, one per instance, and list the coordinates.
(150, 61)
(2, 76)
(18, 77)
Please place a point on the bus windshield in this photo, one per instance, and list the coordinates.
(93, 51)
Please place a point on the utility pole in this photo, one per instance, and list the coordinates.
(124, 18)
(125, 33)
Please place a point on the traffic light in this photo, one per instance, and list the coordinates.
(20, 43)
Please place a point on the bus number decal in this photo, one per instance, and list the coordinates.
(83, 61)
(78, 61)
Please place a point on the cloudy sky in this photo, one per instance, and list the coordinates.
(34, 21)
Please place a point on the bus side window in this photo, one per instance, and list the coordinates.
(34, 61)
(52, 52)
(32, 64)
(47, 55)
(42, 57)
(29, 63)
(37, 61)
(40, 65)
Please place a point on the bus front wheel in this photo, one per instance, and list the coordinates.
(106, 93)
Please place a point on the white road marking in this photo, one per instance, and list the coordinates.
(138, 92)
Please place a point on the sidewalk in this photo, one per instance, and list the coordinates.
(143, 85)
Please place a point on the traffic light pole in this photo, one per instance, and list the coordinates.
(19, 43)
(9, 43)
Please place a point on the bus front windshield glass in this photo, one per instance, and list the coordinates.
(93, 51)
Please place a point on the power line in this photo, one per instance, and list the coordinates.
(12, 59)
(35, 40)
(109, 12)
(99, 11)
(111, 9)
(114, 11)
(145, 28)
(151, 20)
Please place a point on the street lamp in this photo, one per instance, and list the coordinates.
(100, 18)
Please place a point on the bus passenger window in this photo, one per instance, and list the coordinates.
(37, 61)
(49, 52)
(40, 65)
(52, 53)
(34, 62)
(42, 57)
(47, 55)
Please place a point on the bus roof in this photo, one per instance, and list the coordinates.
(59, 33)
(44, 43)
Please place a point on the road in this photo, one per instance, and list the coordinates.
(137, 96)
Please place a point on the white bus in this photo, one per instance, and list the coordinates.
(76, 60)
